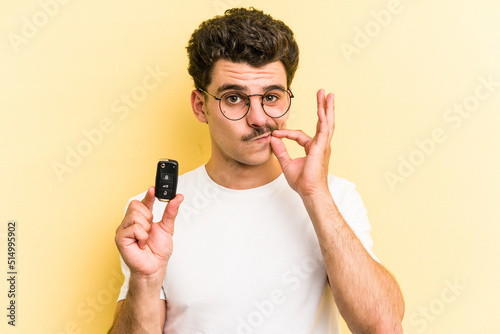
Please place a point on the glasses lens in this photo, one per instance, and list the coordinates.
(234, 105)
(276, 102)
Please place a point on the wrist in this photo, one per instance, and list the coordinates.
(321, 207)
(316, 196)
(146, 285)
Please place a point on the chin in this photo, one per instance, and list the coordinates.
(257, 159)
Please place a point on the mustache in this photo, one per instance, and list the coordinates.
(268, 128)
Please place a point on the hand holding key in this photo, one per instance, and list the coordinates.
(144, 245)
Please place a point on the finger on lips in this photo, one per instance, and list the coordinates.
(297, 135)
(279, 148)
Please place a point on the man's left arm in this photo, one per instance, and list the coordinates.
(367, 295)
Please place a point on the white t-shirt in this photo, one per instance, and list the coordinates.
(248, 261)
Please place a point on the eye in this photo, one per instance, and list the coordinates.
(234, 98)
(272, 97)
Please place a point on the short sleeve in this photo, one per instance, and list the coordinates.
(353, 210)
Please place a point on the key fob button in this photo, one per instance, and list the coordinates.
(167, 185)
(166, 176)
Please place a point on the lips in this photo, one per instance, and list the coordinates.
(260, 133)
(264, 136)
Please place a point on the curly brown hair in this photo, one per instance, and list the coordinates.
(244, 36)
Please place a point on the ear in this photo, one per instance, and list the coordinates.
(198, 106)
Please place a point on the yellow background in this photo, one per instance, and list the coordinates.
(66, 75)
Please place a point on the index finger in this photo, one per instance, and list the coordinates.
(149, 199)
(297, 135)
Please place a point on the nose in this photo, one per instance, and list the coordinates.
(256, 117)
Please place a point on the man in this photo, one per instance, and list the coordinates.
(262, 241)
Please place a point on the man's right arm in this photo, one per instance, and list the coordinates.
(146, 248)
(136, 316)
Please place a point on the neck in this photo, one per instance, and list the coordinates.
(235, 175)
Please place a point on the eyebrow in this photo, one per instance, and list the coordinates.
(226, 87)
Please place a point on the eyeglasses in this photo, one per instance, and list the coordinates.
(235, 105)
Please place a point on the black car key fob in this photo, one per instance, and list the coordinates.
(167, 172)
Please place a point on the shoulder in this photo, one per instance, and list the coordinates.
(339, 182)
(346, 197)
(340, 187)
(192, 179)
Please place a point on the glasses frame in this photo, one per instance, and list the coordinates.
(288, 91)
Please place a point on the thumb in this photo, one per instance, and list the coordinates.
(280, 151)
(171, 210)
(149, 199)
